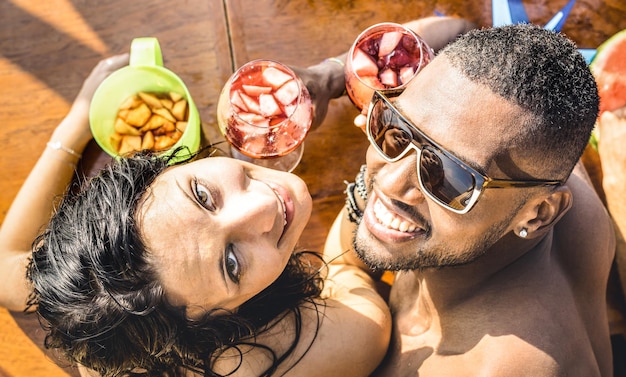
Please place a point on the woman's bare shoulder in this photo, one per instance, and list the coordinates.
(344, 333)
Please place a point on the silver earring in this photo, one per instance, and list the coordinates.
(523, 233)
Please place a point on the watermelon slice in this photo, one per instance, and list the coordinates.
(609, 69)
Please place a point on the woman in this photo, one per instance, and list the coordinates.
(182, 270)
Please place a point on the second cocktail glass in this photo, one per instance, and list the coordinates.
(265, 112)
(383, 56)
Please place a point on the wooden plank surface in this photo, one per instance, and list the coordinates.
(48, 47)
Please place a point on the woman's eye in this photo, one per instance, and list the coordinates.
(232, 265)
(204, 196)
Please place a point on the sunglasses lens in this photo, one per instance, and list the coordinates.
(441, 177)
(445, 179)
(387, 131)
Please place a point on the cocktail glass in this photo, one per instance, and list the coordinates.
(383, 56)
(265, 112)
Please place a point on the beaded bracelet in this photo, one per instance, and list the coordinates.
(354, 213)
(56, 145)
(360, 183)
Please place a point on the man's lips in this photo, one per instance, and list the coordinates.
(388, 225)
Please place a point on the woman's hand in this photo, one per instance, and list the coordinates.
(76, 130)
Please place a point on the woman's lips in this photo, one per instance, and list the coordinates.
(286, 204)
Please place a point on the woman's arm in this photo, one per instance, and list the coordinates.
(49, 178)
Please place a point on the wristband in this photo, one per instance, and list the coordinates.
(361, 189)
(335, 60)
(354, 213)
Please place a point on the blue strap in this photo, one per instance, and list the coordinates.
(588, 54)
(508, 12)
(556, 23)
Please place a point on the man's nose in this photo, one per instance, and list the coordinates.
(397, 180)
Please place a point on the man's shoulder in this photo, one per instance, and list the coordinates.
(584, 240)
(491, 355)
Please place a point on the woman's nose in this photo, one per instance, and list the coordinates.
(257, 212)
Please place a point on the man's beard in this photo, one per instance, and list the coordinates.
(435, 256)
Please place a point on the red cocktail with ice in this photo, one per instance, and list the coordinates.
(384, 56)
(265, 112)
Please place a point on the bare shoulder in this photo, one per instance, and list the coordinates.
(345, 334)
(513, 356)
(492, 355)
(585, 235)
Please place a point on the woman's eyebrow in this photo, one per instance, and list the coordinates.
(187, 194)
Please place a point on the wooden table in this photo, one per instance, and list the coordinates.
(48, 47)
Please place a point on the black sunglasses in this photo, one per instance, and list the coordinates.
(442, 177)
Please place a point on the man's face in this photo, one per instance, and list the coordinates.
(402, 228)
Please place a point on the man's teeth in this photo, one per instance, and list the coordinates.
(389, 220)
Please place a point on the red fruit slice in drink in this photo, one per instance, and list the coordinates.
(275, 77)
(388, 77)
(363, 64)
(268, 105)
(255, 90)
(251, 104)
(236, 100)
(287, 93)
(255, 120)
(388, 42)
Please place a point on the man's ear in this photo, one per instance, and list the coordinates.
(542, 213)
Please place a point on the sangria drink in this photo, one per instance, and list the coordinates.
(265, 112)
(384, 56)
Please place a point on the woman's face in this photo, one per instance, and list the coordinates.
(220, 230)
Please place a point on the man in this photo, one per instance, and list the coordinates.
(475, 197)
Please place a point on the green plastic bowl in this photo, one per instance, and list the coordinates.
(145, 73)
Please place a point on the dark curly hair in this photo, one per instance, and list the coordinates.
(102, 306)
(542, 72)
